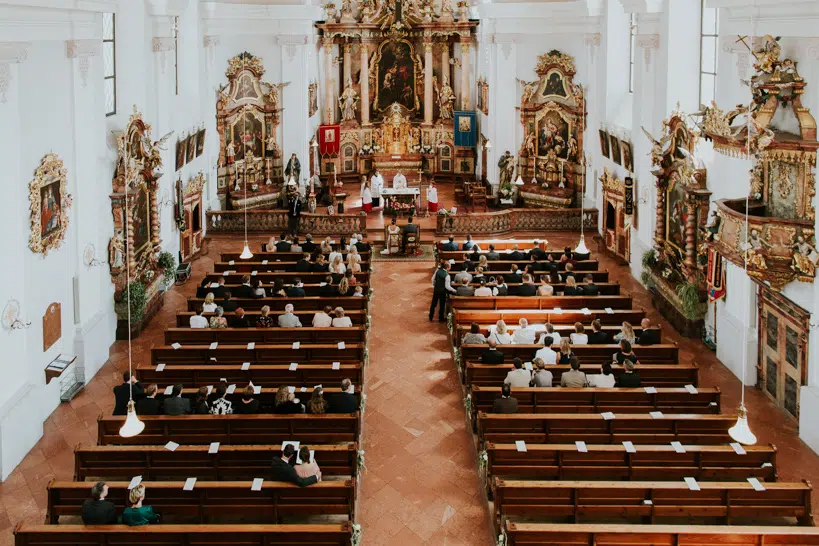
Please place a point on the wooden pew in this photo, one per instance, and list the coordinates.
(259, 257)
(287, 276)
(598, 400)
(593, 428)
(500, 245)
(647, 354)
(266, 396)
(541, 302)
(605, 288)
(308, 303)
(535, 316)
(230, 463)
(651, 375)
(613, 462)
(335, 534)
(593, 501)
(272, 265)
(538, 534)
(234, 429)
(306, 375)
(598, 276)
(563, 329)
(357, 317)
(216, 502)
(260, 354)
(306, 334)
(504, 265)
(313, 289)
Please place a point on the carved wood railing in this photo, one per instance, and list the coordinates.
(511, 220)
(233, 221)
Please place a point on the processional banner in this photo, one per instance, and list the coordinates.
(466, 131)
(329, 137)
(715, 278)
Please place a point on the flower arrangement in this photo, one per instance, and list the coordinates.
(426, 149)
(506, 191)
(369, 149)
(399, 207)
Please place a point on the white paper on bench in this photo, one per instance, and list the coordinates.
(766, 465)
(160, 367)
(293, 366)
(289, 443)
(692, 484)
(210, 389)
(557, 311)
(607, 415)
(264, 262)
(225, 273)
(755, 484)
(581, 447)
(656, 415)
(317, 387)
(452, 262)
(214, 285)
(691, 389)
(257, 484)
(586, 311)
(341, 345)
(214, 345)
(738, 449)
(257, 389)
(520, 445)
(336, 365)
(648, 502)
(296, 344)
(678, 447)
(168, 390)
(251, 345)
(171, 446)
(135, 481)
(214, 448)
(176, 345)
(303, 389)
(322, 284)
(232, 262)
(189, 483)
(231, 389)
(528, 366)
(651, 390)
(291, 389)
(629, 446)
(253, 273)
(609, 310)
(245, 366)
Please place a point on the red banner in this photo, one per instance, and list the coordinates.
(329, 139)
(715, 278)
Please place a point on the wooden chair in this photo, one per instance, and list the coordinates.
(478, 197)
(412, 244)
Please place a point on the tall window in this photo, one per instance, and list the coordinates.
(708, 54)
(632, 37)
(176, 54)
(109, 50)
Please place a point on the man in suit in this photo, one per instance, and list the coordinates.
(288, 319)
(282, 469)
(283, 245)
(492, 355)
(219, 291)
(516, 255)
(97, 510)
(649, 335)
(629, 379)
(148, 404)
(244, 290)
(598, 336)
(407, 230)
(441, 289)
(227, 304)
(574, 378)
(344, 401)
(463, 275)
(528, 287)
(239, 319)
(468, 244)
(590, 289)
(505, 404)
(518, 377)
(175, 404)
(513, 277)
(463, 289)
(297, 290)
(293, 214)
(360, 245)
(122, 393)
(468, 264)
(304, 265)
(538, 251)
(450, 245)
(308, 245)
(328, 290)
(492, 254)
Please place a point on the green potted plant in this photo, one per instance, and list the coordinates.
(135, 292)
(167, 264)
(689, 296)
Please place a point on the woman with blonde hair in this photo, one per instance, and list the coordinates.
(341, 321)
(483, 262)
(627, 333)
(135, 513)
(265, 320)
(571, 288)
(286, 402)
(344, 287)
(337, 266)
(501, 334)
(209, 306)
(354, 262)
(565, 352)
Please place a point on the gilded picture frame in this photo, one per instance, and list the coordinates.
(49, 202)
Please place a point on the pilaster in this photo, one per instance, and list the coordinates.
(11, 53)
(293, 97)
(82, 51)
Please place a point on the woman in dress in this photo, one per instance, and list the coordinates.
(474, 337)
(209, 306)
(545, 289)
(218, 321)
(137, 514)
(627, 333)
(343, 287)
(393, 242)
(317, 405)
(286, 402)
(307, 468)
(579, 337)
(501, 334)
(265, 320)
(366, 195)
(320, 264)
(337, 265)
(565, 352)
(326, 245)
(341, 321)
(278, 288)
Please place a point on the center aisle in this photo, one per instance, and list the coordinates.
(421, 485)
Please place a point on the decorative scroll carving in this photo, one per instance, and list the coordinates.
(511, 220)
(49, 202)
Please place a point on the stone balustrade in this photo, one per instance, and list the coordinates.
(233, 221)
(511, 220)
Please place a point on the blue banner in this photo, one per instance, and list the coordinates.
(466, 129)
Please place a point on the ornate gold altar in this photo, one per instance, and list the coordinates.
(397, 104)
(780, 247)
(247, 118)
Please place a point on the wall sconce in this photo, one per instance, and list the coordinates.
(11, 317)
(487, 145)
(89, 257)
(166, 200)
(643, 199)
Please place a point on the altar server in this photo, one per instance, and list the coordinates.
(376, 183)
(366, 195)
(432, 198)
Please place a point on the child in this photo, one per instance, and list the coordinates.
(359, 292)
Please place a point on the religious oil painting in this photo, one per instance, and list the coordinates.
(464, 124)
(628, 158)
(200, 142)
(246, 88)
(181, 152)
(191, 148)
(615, 149)
(676, 215)
(141, 219)
(396, 75)
(248, 134)
(554, 85)
(553, 135)
(49, 202)
(50, 208)
(604, 143)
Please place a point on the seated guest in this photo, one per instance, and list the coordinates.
(295, 246)
(516, 255)
(492, 355)
(568, 272)
(462, 288)
(571, 288)
(244, 290)
(258, 289)
(547, 354)
(270, 246)
(122, 393)
(598, 336)
(528, 287)
(198, 321)
(627, 333)
(579, 336)
(326, 288)
(200, 403)
(283, 245)
(210, 304)
(574, 378)
(359, 292)
(344, 401)
(308, 245)
(247, 405)
(297, 290)
(518, 377)
(341, 321)
(450, 245)
(218, 320)
(475, 256)
(343, 288)
(239, 319)
(97, 510)
(320, 264)
(544, 288)
(505, 404)
(474, 336)
(317, 405)
(500, 334)
(590, 289)
(468, 265)
(136, 514)
(629, 379)
(221, 405)
(483, 262)
(542, 377)
(463, 274)
(492, 255)
(322, 319)
(277, 290)
(304, 265)
(148, 404)
(353, 263)
(568, 256)
(337, 266)
(308, 466)
(219, 290)
(525, 334)
(514, 276)
(288, 319)
(326, 245)
(649, 334)
(550, 331)
(409, 229)
(565, 354)
(283, 469)
(538, 251)
(500, 287)
(361, 245)
(265, 320)
(227, 304)
(604, 379)
(468, 244)
(286, 402)
(625, 353)
(351, 280)
(175, 404)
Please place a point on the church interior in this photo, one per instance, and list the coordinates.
(376, 272)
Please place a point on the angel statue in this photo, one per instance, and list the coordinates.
(658, 147)
(529, 89)
(348, 102)
(768, 55)
(154, 163)
(753, 250)
(805, 257)
(445, 99)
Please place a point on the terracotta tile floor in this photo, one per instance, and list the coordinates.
(421, 485)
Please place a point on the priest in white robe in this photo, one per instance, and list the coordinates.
(399, 182)
(376, 183)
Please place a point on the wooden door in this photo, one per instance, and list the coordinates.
(623, 234)
(783, 350)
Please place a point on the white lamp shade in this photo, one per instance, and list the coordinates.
(581, 246)
(246, 253)
(133, 426)
(519, 181)
(741, 432)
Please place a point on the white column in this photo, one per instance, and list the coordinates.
(465, 87)
(365, 84)
(428, 83)
(329, 105)
(445, 71)
(348, 64)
